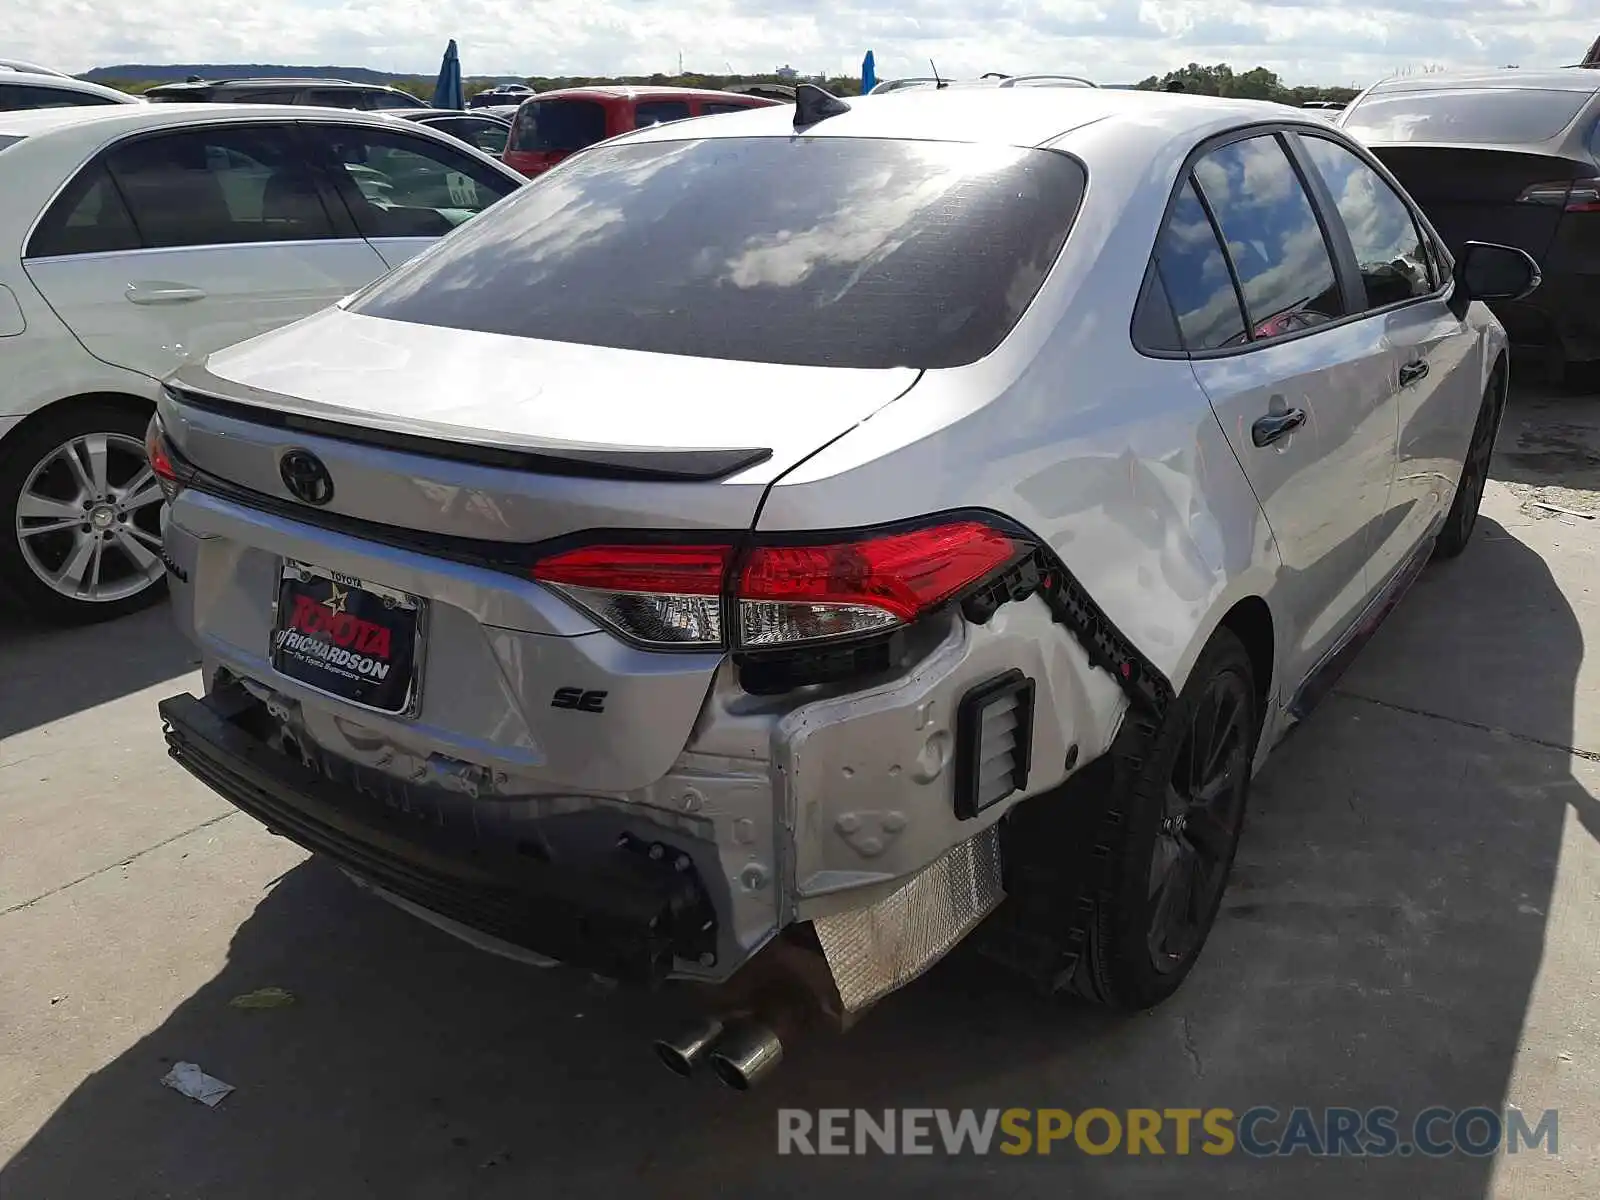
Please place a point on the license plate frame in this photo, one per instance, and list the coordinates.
(372, 659)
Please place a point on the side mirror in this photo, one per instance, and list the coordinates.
(1486, 271)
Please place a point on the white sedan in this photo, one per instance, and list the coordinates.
(137, 235)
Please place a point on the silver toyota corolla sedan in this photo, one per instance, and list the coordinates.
(772, 548)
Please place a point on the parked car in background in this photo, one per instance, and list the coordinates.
(318, 93)
(135, 236)
(28, 68)
(21, 90)
(507, 94)
(1506, 156)
(798, 540)
(555, 124)
(990, 79)
(482, 128)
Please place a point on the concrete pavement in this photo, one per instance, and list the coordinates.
(1414, 920)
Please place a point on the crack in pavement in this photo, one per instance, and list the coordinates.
(121, 862)
(1590, 755)
(1191, 1050)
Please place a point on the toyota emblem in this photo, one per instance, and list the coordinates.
(305, 477)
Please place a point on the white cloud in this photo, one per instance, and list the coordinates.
(1305, 41)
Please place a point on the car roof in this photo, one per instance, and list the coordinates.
(65, 83)
(990, 115)
(28, 68)
(1515, 79)
(108, 121)
(417, 114)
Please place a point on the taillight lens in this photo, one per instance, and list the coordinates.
(667, 595)
(793, 594)
(784, 594)
(1569, 195)
(164, 461)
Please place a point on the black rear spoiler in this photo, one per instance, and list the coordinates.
(196, 388)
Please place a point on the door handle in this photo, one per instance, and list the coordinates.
(163, 294)
(1273, 426)
(1413, 371)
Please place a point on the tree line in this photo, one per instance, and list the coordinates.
(1258, 83)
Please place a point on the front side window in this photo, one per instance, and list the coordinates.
(1271, 230)
(219, 186)
(894, 253)
(88, 217)
(17, 97)
(1389, 249)
(398, 185)
(488, 136)
(558, 126)
(659, 112)
(1198, 285)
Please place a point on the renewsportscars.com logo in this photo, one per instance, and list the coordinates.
(1259, 1132)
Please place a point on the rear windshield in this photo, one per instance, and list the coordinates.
(876, 253)
(1484, 116)
(557, 125)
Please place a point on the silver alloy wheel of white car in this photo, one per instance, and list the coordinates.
(78, 519)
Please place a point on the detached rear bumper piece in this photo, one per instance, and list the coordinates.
(624, 914)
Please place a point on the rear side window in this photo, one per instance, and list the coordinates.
(659, 112)
(1272, 235)
(1483, 116)
(219, 186)
(713, 107)
(380, 100)
(1198, 285)
(1389, 248)
(16, 97)
(558, 125)
(88, 217)
(331, 98)
(894, 253)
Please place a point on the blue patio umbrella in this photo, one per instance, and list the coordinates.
(869, 73)
(447, 90)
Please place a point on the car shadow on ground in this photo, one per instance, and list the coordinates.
(1378, 947)
(1551, 437)
(47, 674)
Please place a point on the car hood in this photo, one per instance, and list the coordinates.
(492, 389)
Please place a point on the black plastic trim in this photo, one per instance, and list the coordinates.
(685, 466)
(969, 739)
(622, 916)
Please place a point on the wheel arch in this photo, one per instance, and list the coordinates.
(1250, 620)
(123, 400)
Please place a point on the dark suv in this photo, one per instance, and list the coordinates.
(323, 93)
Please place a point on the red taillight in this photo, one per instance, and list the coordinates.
(163, 462)
(671, 595)
(800, 593)
(666, 595)
(1569, 195)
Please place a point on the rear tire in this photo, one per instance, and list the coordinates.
(1463, 516)
(109, 542)
(1177, 813)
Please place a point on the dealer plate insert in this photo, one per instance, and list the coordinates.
(357, 641)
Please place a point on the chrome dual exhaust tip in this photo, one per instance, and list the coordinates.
(684, 1051)
(746, 1054)
(741, 1052)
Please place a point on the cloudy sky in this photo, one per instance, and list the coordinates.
(1305, 41)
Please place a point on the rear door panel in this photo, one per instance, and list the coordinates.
(224, 235)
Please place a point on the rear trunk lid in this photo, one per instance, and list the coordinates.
(484, 436)
(1476, 193)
